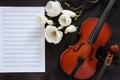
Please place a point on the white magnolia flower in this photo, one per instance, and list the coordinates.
(53, 8)
(41, 20)
(69, 13)
(70, 29)
(64, 20)
(52, 34)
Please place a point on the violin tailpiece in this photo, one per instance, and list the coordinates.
(79, 62)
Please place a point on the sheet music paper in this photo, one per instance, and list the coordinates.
(22, 42)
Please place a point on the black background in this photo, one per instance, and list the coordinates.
(53, 52)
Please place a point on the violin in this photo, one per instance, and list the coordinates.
(108, 60)
(80, 60)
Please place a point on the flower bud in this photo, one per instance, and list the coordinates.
(69, 13)
(50, 22)
(70, 29)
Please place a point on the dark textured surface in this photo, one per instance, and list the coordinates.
(53, 52)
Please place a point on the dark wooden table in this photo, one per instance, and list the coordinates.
(53, 52)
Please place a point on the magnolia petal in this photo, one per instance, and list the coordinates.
(64, 20)
(41, 20)
(70, 13)
(59, 37)
(52, 34)
(70, 29)
(53, 13)
(53, 8)
(50, 22)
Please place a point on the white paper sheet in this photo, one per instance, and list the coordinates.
(22, 42)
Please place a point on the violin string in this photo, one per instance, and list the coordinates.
(83, 53)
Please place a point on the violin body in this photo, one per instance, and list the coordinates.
(80, 60)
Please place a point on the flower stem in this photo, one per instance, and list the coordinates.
(94, 1)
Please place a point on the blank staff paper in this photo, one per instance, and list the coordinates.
(22, 41)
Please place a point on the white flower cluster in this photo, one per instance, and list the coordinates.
(53, 33)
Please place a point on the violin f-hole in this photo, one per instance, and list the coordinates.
(91, 54)
(75, 50)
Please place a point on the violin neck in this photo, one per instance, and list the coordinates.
(100, 23)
